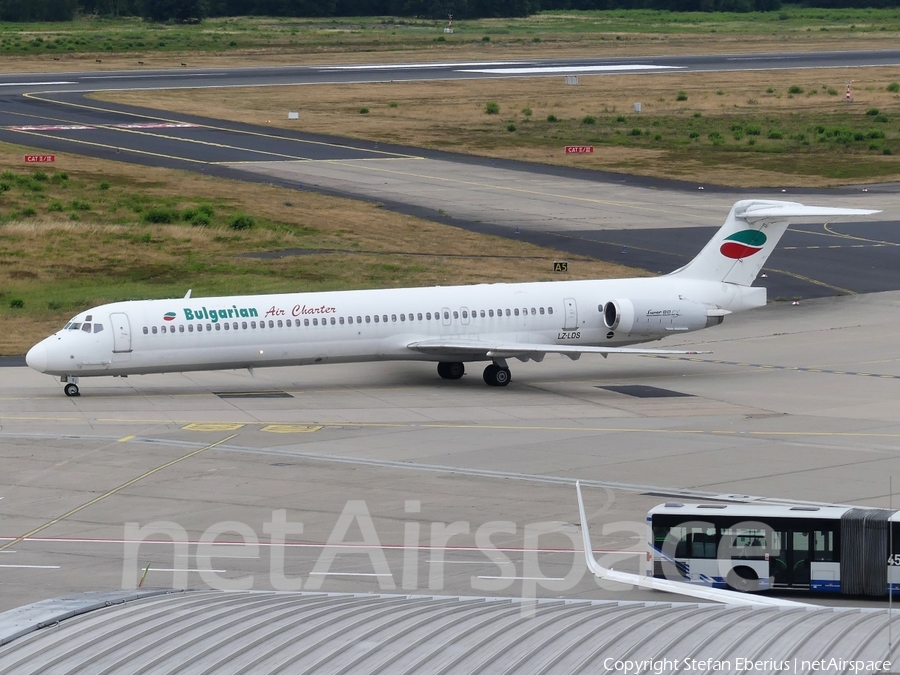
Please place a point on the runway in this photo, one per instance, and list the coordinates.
(606, 216)
(795, 402)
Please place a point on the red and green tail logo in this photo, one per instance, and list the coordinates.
(169, 316)
(743, 244)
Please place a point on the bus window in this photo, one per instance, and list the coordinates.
(744, 543)
(823, 546)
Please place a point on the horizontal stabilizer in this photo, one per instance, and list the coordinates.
(513, 349)
(794, 211)
(667, 586)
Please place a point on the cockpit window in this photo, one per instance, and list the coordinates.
(74, 326)
(86, 327)
(66, 327)
(98, 327)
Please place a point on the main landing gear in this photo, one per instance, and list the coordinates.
(71, 388)
(451, 370)
(497, 375)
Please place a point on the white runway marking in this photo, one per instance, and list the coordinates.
(545, 70)
(32, 567)
(418, 65)
(472, 562)
(173, 569)
(350, 574)
(30, 84)
(529, 578)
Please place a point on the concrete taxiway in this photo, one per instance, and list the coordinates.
(794, 402)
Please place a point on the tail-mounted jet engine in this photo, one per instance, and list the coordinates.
(659, 317)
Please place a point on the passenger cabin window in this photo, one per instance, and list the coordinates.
(181, 328)
(341, 321)
(218, 326)
(153, 330)
(384, 318)
(428, 316)
(549, 310)
(146, 330)
(419, 316)
(516, 311)
(446, 315)
(190, 328)
(542, 310)
(393, 318)
(359, 319)
(465, 314)
(332, 321)
(508, 313)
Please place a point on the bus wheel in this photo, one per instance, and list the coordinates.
(742, 579)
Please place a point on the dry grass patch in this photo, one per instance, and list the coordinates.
(451, 115)
(55, 263)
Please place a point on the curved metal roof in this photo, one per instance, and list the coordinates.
(258, 632)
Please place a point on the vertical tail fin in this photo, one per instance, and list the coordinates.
(740, 248)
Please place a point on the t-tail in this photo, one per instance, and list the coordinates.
(743, 244)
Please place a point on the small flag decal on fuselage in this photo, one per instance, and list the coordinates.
(743, 244)
(169, 316)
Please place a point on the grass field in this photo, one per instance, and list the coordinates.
(89, 232)
(101, 43)
(780, 128)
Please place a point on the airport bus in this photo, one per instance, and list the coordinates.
(746, 547)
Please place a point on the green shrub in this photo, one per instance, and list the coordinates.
(5, 187)
(552, 118)
(39, 175)
(29, 212)
(859, 136)
(17, 303)
(875, 133)
(737, 135)
(751, 141)
(526, 112)
(8, 175)
(207, 210)
(770, 90)
(363, 111)
(492, 108)
(200, 220)
(636, 132)
(794, 89)
(871, 112)
(61, 176)
(79, 205)
(160, 216)
(511, 126)
(242, 222)
(104, 185)
(486, 38)
(657, 137)
(620, 118)
(753, 130)
(886, 151)
(819, 129)
(774, 134)
(893, 86)
(832, 92)
(392, 104)
(56, 206)
(881, 118)
(694, 134)
(682, 96)
(589, 119)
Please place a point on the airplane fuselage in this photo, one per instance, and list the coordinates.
(178, 335)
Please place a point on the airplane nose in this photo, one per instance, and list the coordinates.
(37, 358)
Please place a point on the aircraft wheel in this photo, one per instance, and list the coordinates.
(71, 390)
(451, 370)
(496, 376)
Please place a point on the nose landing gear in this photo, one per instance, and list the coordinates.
(71, 388)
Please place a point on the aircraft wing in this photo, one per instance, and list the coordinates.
(502, 350)
(668, 586)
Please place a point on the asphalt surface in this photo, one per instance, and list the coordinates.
(51, 113)
(794, 402)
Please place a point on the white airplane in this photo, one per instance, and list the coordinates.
(451, 325)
